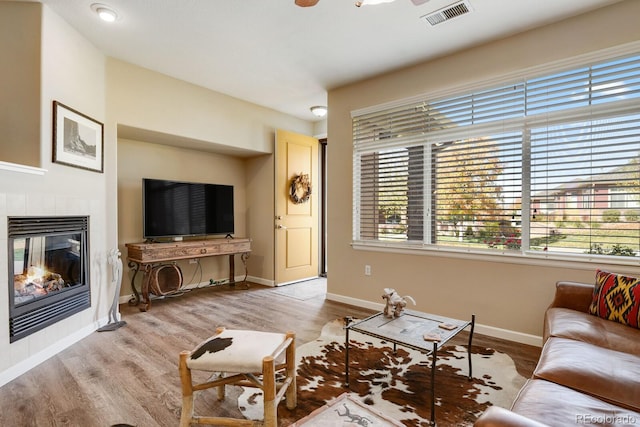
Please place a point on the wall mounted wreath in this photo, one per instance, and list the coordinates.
(300, 189)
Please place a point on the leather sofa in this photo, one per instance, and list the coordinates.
(588, 372)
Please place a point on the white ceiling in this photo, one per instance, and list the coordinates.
(278, 55)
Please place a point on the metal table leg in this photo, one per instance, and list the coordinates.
(346, 355)
(135, 299)
(473, 323)
(434, 356)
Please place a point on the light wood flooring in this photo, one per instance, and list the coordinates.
(129, 376)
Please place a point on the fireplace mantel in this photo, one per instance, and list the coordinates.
(14, 167)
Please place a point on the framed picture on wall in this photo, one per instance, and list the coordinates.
(78, 140)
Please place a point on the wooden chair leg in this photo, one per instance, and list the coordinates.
(221, 389)
(292, 391)
(269, 392)
(186, 415)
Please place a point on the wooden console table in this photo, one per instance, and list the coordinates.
(145, 256)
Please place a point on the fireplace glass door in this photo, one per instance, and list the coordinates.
(43, 265)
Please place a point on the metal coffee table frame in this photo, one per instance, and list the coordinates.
(408, 330)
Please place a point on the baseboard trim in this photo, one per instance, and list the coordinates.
(261, 281)
(509, 335)
(32, 361)
(491, 331)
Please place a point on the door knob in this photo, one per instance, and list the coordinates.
(281, 227)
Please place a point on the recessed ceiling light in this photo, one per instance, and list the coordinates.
(104, 12)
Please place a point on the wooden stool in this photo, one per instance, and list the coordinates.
(244, 358)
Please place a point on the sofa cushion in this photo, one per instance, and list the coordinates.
(496, 416)
(556, 405)
(606, 374)
(576, 325)
(616, 297)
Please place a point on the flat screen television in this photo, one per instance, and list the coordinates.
(174, 209)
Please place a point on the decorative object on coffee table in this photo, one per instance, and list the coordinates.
(394, 303)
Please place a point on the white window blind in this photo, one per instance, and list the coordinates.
(392, 188)
(550, 163)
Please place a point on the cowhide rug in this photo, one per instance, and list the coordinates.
(395, 384)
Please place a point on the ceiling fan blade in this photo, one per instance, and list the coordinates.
(419, 2)
(306, 3)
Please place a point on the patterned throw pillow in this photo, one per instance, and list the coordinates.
(616, 298)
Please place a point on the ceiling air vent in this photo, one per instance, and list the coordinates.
(447, 13)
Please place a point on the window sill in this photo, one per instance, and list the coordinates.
(545, 259)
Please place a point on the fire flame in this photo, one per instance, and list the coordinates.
(35, 274)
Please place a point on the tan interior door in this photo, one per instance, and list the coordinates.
(296, 210)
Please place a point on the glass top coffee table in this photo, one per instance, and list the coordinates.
(422, 332)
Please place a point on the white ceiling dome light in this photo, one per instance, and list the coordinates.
(319, 110)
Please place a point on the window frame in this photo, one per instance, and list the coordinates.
(524, 124)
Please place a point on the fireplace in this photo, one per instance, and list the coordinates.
(48, 271)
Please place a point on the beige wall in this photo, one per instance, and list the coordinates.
(504, 296)
(148, 100)
(260, 223)
(61, 190)
(20, 83)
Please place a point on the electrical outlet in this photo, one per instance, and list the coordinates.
(193, 261)
(367, 270)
